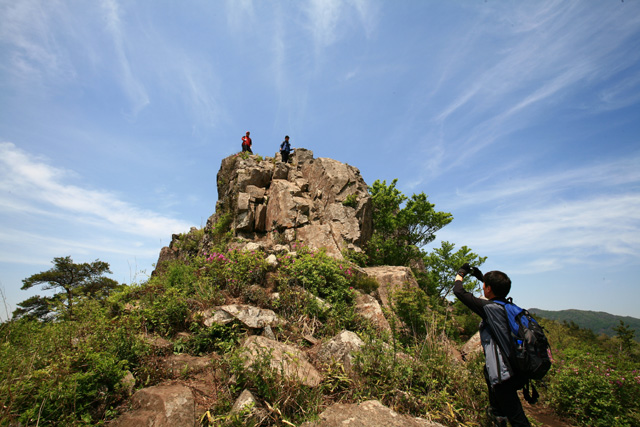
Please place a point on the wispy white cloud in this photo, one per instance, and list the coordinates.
(556, 219)
(26, 181)
(603, 177)
(132, 86)
(34, 54)
(329, 20)
(240, 13)
(552, 52)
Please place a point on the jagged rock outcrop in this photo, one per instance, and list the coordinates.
(320, 203)
(371, 413)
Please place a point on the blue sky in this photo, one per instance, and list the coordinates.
(522, 119)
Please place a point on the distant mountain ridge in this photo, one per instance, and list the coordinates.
(598, 321)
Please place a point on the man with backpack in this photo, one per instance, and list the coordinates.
(285, 149)
(501, 376)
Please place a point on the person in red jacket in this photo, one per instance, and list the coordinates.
(246, 143)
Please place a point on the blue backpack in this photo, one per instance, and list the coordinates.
(530, 354)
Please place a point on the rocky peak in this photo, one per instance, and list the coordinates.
(321, 203)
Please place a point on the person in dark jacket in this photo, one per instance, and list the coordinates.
(285, 149)
(502, 382)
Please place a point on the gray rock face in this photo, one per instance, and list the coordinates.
(247, 402)
(371, 413)
(321, 202)
(160, 406)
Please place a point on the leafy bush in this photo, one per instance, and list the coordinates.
(235, 270)
(166, 313)
(316, 272)
(215, 338)
(66, 373)
(595, 389)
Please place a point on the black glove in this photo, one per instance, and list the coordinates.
(475, 272)
(464, 270)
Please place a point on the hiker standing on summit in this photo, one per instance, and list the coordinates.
(285, 149)
(246, 143)
(503, 384)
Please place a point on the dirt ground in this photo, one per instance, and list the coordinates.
(539, 415)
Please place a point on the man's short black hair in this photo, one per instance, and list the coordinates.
(499, 282)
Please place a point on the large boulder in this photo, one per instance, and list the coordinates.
(160, 406)
(391, 279)
(184, 364)
(369, 308)
(341, 348)
(371, 413)
(283, 358)
(250, 316)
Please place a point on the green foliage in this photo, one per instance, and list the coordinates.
(73, 281)
(361, 259)
(318, 273)
(213, 339)
(442, 264)
(591, 381)
(66, 373)
(351, 200)
(426, 380)
(401, 225)
(190, 242)
(595, 389)
(625, 334)
(221, 233)
(166, 312)
(235, 270)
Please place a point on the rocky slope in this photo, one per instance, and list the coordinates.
(272, 207)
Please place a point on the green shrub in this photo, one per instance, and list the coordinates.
(235, 270)
(66, 373)
(166, 313)
(595, 389)
(222, 233)
(215, 338)
(424, 379)
(316, 272)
